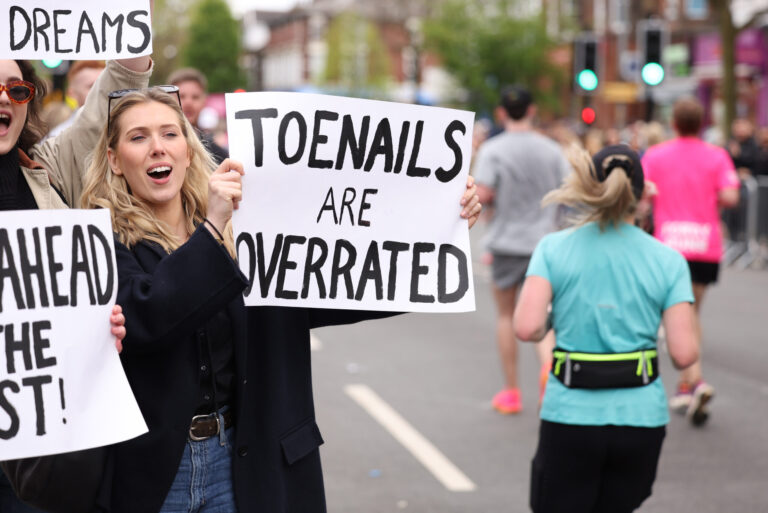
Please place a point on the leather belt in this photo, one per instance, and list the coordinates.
(204, 427)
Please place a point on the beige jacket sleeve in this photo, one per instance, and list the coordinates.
(65, 155)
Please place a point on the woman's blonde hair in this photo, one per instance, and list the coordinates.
(606, 202)
(132, 218)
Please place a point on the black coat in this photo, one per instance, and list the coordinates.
(167, 300)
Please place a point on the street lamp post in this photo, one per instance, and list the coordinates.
(255, 37)
(416, 41)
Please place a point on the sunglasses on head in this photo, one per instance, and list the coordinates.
(114, 95)
(19, 91)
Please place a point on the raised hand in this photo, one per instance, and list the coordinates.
(225, 191)
(471, 203)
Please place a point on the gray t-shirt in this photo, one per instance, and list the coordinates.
(521, 167)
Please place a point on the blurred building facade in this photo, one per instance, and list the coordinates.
(294, 54)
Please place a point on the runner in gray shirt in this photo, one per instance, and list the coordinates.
(513, 171)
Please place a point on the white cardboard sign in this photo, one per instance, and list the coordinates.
(351, 204)
(85, 29)
(62, 387)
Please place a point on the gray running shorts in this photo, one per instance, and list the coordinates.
(509, 270)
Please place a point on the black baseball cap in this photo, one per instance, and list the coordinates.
(516, 99)
(620, 155)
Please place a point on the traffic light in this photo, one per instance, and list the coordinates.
(652, 37)
(58, 69)
(588, 115)
(585, 68)
(52, 64)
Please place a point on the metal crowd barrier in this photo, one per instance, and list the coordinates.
(750, 249)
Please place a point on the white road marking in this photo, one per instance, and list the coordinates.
(422, 449)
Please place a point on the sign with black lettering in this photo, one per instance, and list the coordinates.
(351, 204)
(62, 387)
(86, 29)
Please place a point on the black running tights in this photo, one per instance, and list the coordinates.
(593, 469)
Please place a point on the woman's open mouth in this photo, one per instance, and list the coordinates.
(160, 174)
(5, 122)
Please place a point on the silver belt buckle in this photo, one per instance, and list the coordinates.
(200, 417)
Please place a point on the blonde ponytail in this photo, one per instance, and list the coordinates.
(606, 202)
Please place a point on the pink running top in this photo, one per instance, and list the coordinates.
(689, 174)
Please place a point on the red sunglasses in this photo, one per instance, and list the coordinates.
(19, 91)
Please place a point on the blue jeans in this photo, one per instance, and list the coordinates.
(203, 482)
(8, 501)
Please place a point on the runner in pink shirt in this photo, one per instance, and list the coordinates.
(693, 180)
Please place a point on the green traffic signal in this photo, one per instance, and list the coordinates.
(652, 73)
(587, 80)
(52, 63)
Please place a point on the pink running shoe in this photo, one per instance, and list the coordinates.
(682, 399)
(508, 401)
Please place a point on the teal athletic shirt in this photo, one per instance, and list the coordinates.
(609, 290)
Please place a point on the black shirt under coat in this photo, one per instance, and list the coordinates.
(167, 300)
(216, 363)
(15, 193)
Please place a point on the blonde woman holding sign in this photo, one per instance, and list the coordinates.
(226, 391)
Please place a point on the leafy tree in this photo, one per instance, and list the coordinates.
(169, 23)
(214, 45)
(487, 44)
(357, 58)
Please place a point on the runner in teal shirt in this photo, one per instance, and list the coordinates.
(609, 290)
(610, 286)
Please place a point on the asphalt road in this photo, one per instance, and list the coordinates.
(438, 372)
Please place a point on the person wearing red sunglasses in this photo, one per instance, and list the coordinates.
(48, 175)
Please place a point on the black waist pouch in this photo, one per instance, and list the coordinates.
(598, 370)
